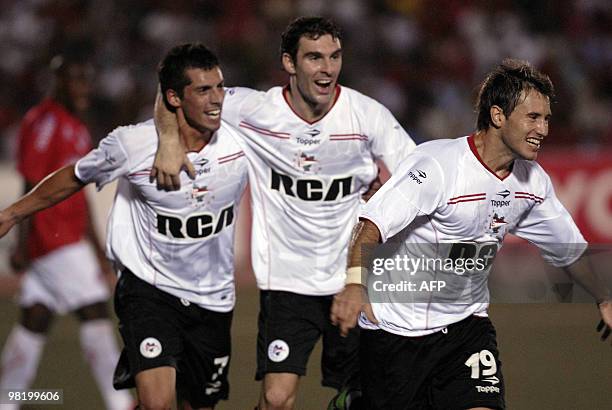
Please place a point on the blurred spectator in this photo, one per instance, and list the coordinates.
(420, 59)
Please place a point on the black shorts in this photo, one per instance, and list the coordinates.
(289, 327)
(455, 369)
(159, 329)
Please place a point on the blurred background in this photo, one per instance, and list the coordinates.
(422, 59)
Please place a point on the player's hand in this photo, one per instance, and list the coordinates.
(374, 186)
(605, 309)
(347, 305)
(170, 159)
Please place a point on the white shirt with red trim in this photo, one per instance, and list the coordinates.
(446, 197)
(179, 241)
(307, 180)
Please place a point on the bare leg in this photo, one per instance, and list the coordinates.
(156, 388)
(279, 391)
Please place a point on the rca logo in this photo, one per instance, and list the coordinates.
(195, 226)
(311, 189)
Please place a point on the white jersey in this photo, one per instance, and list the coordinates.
(445, 196)
(307, 180)
(179, 241)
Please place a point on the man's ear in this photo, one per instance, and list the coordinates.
(288, 63)
(173, 99)
(497, 116)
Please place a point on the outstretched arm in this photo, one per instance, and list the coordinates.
(582, 272)
(53, 189)
(20, 258)
(353, 299)
(170, 157)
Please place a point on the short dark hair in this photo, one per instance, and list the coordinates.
(172, 68)
(310, 27)
(503, 87)
(60, 63)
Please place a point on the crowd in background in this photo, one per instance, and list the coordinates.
(422, 59)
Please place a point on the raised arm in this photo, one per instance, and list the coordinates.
(353, 299)
(170, 157)
(53, 189)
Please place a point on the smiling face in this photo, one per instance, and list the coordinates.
(314, 72)
(524, 130)
(202, 99)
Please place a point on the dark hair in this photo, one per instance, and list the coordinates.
(75, 51)
(503, 87)
(172, 68)
(311, 27)
(60, 63)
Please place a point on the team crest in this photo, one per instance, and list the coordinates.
(497, 222)
(308, 163)
(278, 350)
(150, 348)
(199, 195)
(198, 192)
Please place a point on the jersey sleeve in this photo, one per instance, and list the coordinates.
(35, 147)
(415, 190)
(390, 142)
(232, 104)
(105, 163)
(550, 227)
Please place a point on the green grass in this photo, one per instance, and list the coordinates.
(552, 359)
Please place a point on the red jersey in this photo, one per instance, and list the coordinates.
(51, 137)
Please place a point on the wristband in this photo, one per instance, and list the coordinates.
(353, 276)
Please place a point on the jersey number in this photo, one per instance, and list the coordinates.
(485, 358)
(215, 385)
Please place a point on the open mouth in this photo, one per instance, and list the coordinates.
(324, 86)
(213, 114)
(534, 142)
